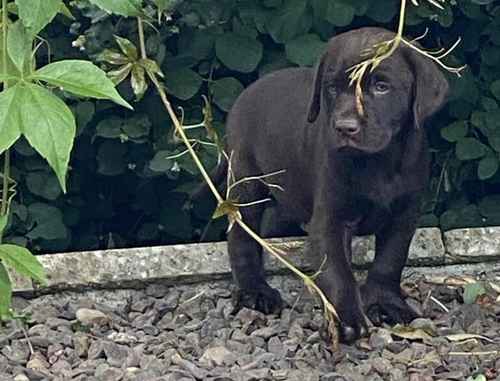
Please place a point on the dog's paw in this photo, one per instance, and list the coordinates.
(384, 305)
(264, 299)
(352, 325)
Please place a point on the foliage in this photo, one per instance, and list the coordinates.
(130, 179)
(31, 110)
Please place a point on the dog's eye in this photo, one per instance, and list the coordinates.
(381, 87)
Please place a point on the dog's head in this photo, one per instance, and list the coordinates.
(403, 90)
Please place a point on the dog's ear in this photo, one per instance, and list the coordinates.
(315, 100)
(430, 87)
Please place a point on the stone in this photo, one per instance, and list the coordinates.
(479, 243)
(380, 338)
(218, 356)
(116, 354)
(38, 362)
(88, 316)
(275, 346)
(266, 332)
(81, 344)
(18, 352)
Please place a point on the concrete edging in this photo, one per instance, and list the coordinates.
(198, 262)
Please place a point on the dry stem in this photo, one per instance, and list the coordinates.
(234, 216)
(385, 49)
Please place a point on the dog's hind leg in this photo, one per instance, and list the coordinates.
(245, 255)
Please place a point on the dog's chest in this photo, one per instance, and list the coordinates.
(372, 201)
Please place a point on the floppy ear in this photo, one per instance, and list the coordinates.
(430, 87)
(315, 100)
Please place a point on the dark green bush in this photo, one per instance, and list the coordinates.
(126, 189)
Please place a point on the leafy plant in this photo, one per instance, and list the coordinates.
(31, 110)
(132, 191)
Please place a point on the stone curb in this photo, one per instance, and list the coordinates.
(199, 262)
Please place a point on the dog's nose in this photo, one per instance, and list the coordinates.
(347, 126)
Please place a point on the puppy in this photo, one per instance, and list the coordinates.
(347, 173)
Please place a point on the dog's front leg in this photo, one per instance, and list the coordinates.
(381, 294)
(330, 244)
(245, 256)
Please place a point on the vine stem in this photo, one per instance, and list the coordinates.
(174, 118)
(329, 308)
(6, 162)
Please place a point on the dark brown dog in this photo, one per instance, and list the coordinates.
(346, 174)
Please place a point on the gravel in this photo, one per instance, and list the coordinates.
(187, 333)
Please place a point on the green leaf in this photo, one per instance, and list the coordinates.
(81, 78)
(487, 167)
(164, 5)
(489, 104)
(455, 131)
(127, 8)
(138, 81)
(472, 291)
(137, 127)
(19, 45)
(289, 21)
(48, 220)
(495, 89)
(5, 293)
(43, 184)
(238, 53)
(48, 125)
(111, 158)
(36, 14)
(225, 92)
(10, 128)
(119, 75)
(127, 48)
(339, 13)
(305, 50)
(161, 162)
(385, 13)
(23, 262)
(183, 83)
(470, 149)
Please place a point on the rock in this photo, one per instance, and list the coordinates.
(54, 323)
(275, 346)
(380, 338)
(96, 350)
(116, 354)
(81, 344)
(218, 356)
(21, 377)
(266, 332)
(473, 243)
(38, 363)
(88, 316)
(18, 352)
(156, 290)
(382, 366)
(425, 324)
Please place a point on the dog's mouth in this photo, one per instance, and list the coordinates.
(351, 146)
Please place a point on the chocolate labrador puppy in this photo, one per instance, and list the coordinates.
(346, 174)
